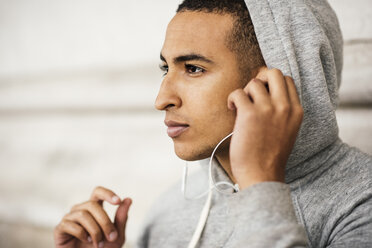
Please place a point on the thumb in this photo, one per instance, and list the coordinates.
(121, 217)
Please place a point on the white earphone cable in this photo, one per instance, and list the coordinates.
(212, 185)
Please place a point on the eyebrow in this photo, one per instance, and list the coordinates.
(188, 57)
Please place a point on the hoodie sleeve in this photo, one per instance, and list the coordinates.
(267, 219)
(355, 228)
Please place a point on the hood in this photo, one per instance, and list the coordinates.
(302, 38)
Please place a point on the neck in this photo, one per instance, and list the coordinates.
(223, 157)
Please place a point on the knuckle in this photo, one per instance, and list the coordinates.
(250, 86)
(82, 214)
(300, 118)
(254, 83)
(298, 114)
(283, 108)
(288, 79)
(62, 224)
(76, 229)
(237, 93)
(232, 94)
(267, 109)
(75, 207)
(97, 188)
(275, 71)
(299, 111)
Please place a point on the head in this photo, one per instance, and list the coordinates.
(210, 49)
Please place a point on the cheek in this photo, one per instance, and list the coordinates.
(211, 124)
(210, 112)
(205, 103)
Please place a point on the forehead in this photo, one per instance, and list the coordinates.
(197, 32)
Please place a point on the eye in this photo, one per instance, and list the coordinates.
(164, 69)
(192, 69)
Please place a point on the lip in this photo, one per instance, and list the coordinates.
(175, 128)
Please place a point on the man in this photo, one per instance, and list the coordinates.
(298, 186)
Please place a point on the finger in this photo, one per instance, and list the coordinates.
(121, 216)
(292, 92)
(86, 220)
(75, 230)
(257, 91)
(101, 194)
(238, 99)
(100, 216)
(277, 85)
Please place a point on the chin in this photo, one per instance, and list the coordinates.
(191, 153)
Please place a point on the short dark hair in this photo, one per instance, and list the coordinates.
(242, 39)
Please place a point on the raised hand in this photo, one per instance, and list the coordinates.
(269, 115)
(87, 225)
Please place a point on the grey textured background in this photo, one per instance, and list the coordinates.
(78, 79)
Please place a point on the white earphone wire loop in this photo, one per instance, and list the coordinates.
(236, 186)
(212, 184)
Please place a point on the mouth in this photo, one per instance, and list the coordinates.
(175, 129)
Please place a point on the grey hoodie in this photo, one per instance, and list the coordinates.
(327, 198)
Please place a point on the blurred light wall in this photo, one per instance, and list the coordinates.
(78, 79)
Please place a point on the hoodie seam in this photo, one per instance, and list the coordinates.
(281, 40)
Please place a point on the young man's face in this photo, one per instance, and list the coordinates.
(200, 73)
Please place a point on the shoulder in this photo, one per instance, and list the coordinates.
(334, 200)
(354, 169)
(353, 202)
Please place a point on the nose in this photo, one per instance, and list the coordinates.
(168, 96)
